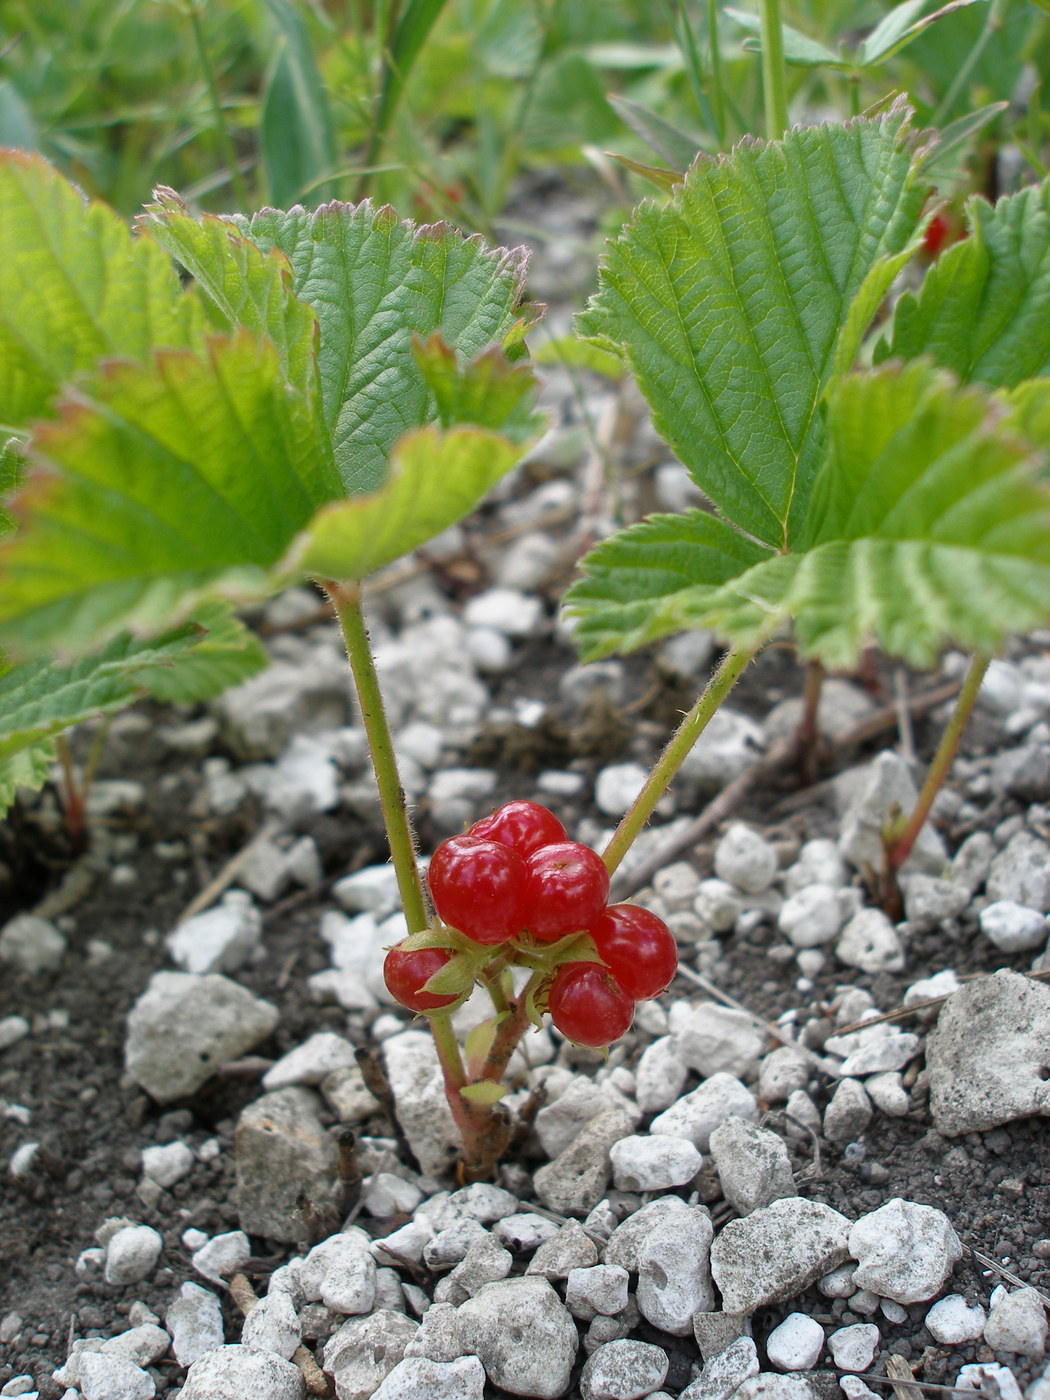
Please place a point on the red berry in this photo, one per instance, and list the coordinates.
(639, 948)
(405, 971)
(936, 234)
(587, 1006)
(526, 826)
(479, 887)
(566, 889)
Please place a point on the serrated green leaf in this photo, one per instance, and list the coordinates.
(983, 310)
(929, 527)
(30, 769)
(242, 285)
(435, 479)
(799, 50)
(1028, 413)
(485, 1091)
(376, 281)
(634, 582)
(728, 300)
(187, 474)
(224, 654)
(489, 392)
(74, 287)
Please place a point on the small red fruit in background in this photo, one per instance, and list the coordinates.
(405, 971)
(639, 948)
(587, 1006)
(566, 889)
(944, 228)
(479, 887)
(525, 826)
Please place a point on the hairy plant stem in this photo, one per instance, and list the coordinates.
(346, 599)
(471, 1119)
(807, 735)
(899, 843)
(222, 133)
(730, 668)
(774, 71)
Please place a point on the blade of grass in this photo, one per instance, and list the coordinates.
(221, 130)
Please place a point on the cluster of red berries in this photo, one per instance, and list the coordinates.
(516, 874)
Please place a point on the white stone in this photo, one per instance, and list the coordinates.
(774, 1253)
(309, 1063)
(625, 1241)
(819, 863)
(417, 1084)
(419, 1378)
(385, 1194)
(853, 1348)
(222, 1256)
(696, 1115)
(718, 904)
(32, 944)
(848, 1113)
(168, 1163)
(796, 1343)
(989, 1379)
(886, 786)
(677, 885)
(524, 1232)
(674, 1271)
(930, 900)
(238, 1373)
(373, 889)
(887, 1093)
(869, 941)
(223, 939)
(753, 1164)
(1021, 872)
(882, 1052)
(839, 1283)
(905, 1251)
(363, 1352)
(660, 1075)
(781, 1072)
(811, 916)
(732, 1367)
(745, 859)
(571, 1248)
(1017, 1322)
(617, 786)
(194, 1320)
(506, 610)
(523, 1335)
(623, 1370)
(131, 1254)
(559, 1123)
(12, 1030)
(951, 1320)
(1013, 927)
(602, 1288)
(272, 1325)
(730, 743)
(715, 1039)
(143, 1343)
(100, 1377)
(644, 1163)
(340, 1272)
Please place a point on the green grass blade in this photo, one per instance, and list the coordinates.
(296, 131)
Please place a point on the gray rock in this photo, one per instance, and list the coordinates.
(237, 1373)
(507, 610)
(973, 861)
(869, 941)
(484, 1262)
(774, 1253)
(659, 1075)
(724, 1372)
(598, 1290)
(340, 1272)
(577, 1179)
(100, 1377)
(730, 743)
(987, 1378)
(752, 1163)
(438, 1337)
(716, 1039)
(853, 1348)
(194, 1320)
(1013, 927)
(143, 1344)
(848, 1113)
(347, 1095)
(951, 1320)
(523, 1335)
(571, 1248)
(890, 1051)
(623, 1370)
(929, 900)
(269, 868)
(183, 1027)
(167, 1163)
(715, 1331)
(718, 904)
(745, 859)
(310, 1063)
(272, 1325)
(887, 1093)
(258, 717)
(887, 787)
(796, 1343)
(1021, 872)
(811, 916)
(283, 1153)
(616, 787)
(623, 1244)
(32, 945)
(696, 1114)
(904, 1251)
(222, 939)
(1017, 1322)
(12, 1030)
(362, 1353)
(422, 1109)
(450, 1245)
(674, 1270)
(419, 1378)
(644, 1163)
(986, 1058)
(385, 1194)
(525, 1231)
(769, 1385)
(132, 1253)
(559, 1123)
(819, 863)
(781, 1072)
(222, 1256)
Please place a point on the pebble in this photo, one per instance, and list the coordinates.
(885, 785)
(238, 1373)
(796, 1343)
(132, 1253)
(674, 1270)
(507, 610)
(420, 1378)
(362, 1352)
(1013, 927)
(904, 1251)
(839, 1283)
(885, 1052)
(718, 905)
(819, 863)
(283, 1153)
(811, 916)
(623, 1370)
(322, 1054)
(752, 1163)
(1020, 872)
(774, 1253)
(653, 1163)
(559, 1122)
(730, 743)
(870, 942)
(715, 1039)
(887, 1093)
(484, 1262)
(623, 1244)
(930, 900)
(571, 1248)
(100, 1377)
(524, 1232)
(32, 945)
(12, 1030)
(781, 1073)
(848, 1113)
(725, 1372)
(602, 1288)
(194, 1320)
(222, 1256)
(523, 1335)
(1017, 1322)
(952, 1320)
(990, 1379)
(697, 1114)
(223, 939)
(853, 1348)
(745, 859)
(168, 1163)
(617, 786)
(417, 1085)
(577, 1179)
(273, 1325)
(660, 1075)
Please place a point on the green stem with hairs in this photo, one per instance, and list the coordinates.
(346, 599)
(774, 71)
(899, 843)
(731, 667)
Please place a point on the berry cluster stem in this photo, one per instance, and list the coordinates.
(729, 671)
(346, 599)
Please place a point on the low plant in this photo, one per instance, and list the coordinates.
(331, 389)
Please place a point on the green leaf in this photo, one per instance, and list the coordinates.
(29, 768)
(295, 127)
(455, 978)
(983, 309)
(675, 145)
(188, 474)
(1028, 413)
(225, 653)
(489, 392)
(636, 583)
(480, 1039)
(940, 160)
(74, 287)
(574, 353)
(929, 527)
(800, 51)
(658, 175)
(242, 285)
(485, 1091)
(436, 477)
(375, 282)
(900, 27)
(728, 301)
